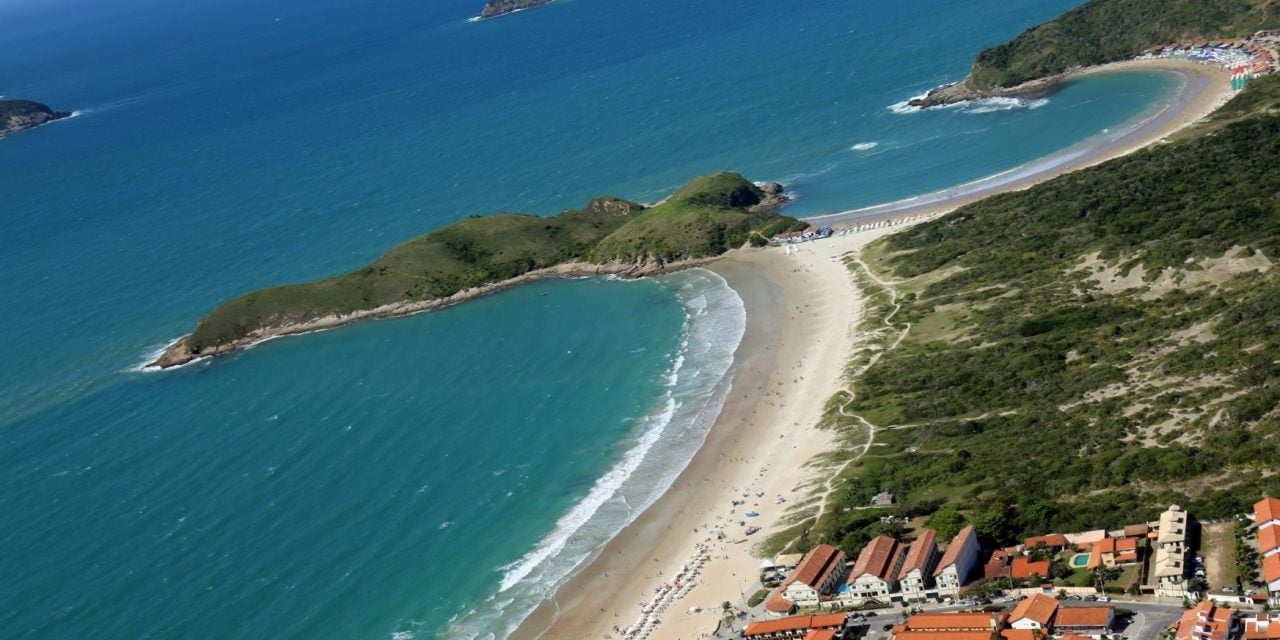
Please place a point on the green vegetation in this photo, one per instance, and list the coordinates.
(1107, 30)
(704, 218)
(10, 108)
(757, 597)
(1110, 346)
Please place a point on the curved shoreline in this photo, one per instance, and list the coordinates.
(1204, 89)
(604, 589)
(176, 353)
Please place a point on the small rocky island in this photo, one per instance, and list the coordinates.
(478, 255)
(19, 115)
(495, 8)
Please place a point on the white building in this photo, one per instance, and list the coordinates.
(1170, 568)
(916, 574)
(957, 563)
(1035, 613)
(872, 577)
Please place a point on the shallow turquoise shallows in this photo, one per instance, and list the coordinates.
(431, 476)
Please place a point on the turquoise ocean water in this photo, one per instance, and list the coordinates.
(431, 476)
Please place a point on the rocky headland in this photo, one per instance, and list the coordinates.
(20, 115)
(480, 255)
(495, 8)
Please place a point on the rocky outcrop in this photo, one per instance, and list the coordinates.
(495, 8)
(963, 92)
(20, 115)
(773, 197)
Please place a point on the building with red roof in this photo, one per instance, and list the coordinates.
(817, 575)
(997, 566)
(1024, 568)
(1205, 621)
(1266, 514)
(958, 625)
(1084, 621)
(874, 575)
(958, 562)
(1034, 613)
(916, 574)
(1111, 552)
(1261, 626)
(795, 626)
(1051, 541)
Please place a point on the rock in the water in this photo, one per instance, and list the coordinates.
(495, 8)
(18, 115)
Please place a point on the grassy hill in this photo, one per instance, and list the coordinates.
(704, 218)
(1080, 354)
(1102, 31)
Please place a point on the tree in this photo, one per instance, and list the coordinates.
(946, 521)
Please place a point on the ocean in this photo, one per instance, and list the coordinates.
(431, 476)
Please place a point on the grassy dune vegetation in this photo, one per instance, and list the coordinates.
(704, 218)
(1082, 353)
(1107, 30)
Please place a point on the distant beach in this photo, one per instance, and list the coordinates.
(802, 314)
(1205, 87)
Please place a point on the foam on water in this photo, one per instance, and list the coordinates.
(696, 386)
(864, 146)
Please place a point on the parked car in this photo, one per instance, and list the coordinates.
(1104, 599)
(887, 627)
(1091, 598)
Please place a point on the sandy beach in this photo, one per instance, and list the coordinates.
(1204, 88)
(802, 309)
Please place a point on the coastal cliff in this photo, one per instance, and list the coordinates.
(20, 115)
(1097, 32)
(495, 8)
(479, 255)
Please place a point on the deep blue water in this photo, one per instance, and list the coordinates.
(393, 477)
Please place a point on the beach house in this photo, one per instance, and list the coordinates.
(1112, 552)
(1035, 613)
(916, 575)
(1024, 568)
(1093, 622)
(951, 626)
(1205, 621)
(1266, 514)
(873, 574)
(817, 575)
(957, 563)
(827, 625)
(1170, 567)
(1261, 626)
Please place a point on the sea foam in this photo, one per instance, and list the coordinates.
(695, 387)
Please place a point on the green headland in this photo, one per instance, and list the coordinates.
(703, 219)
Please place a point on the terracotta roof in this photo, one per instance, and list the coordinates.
(1136, 530)
(1262, 627)
(1268, 539)
(1072, 636)
(921, 550)
(997, 565)
(1084, 617)
(1217, 619)
(819, 562)
(952, 553)
(1271, 567)
(1051, 540)
(794, 623)
(876, 559)
(945, 635)
(1018, 634)
(1024, 568)
(821, 634)
(778, 603)
(1266, 509)
(1038, 608)
(956, 620)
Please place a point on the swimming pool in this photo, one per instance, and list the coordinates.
(1079, 560)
